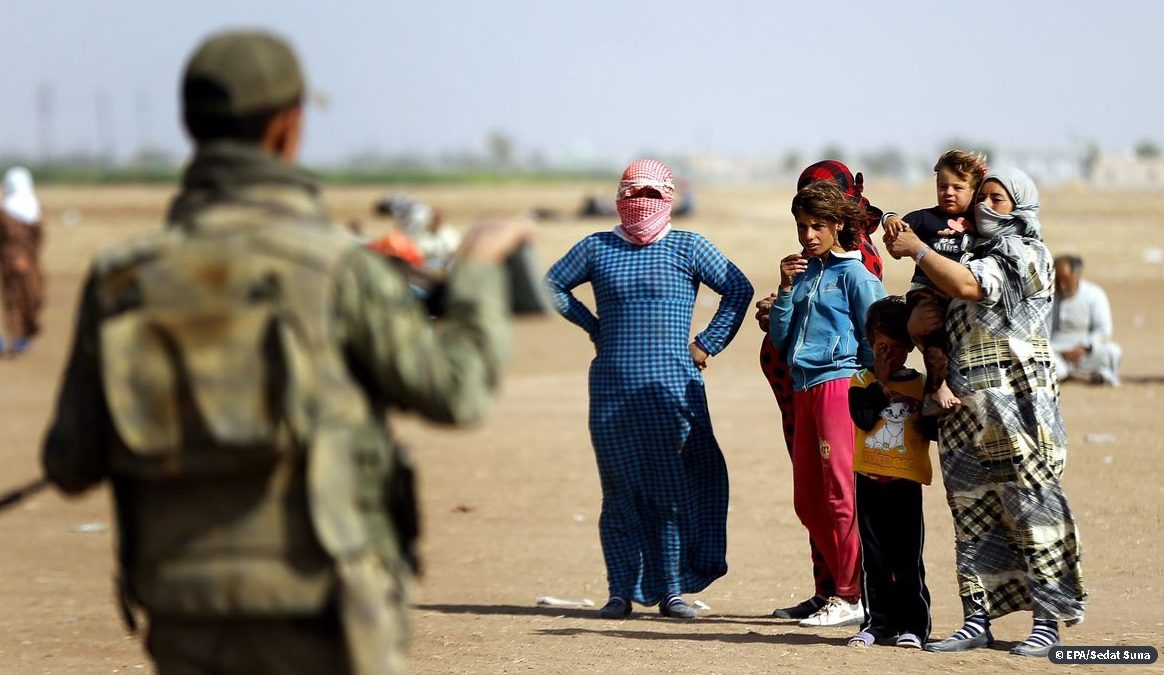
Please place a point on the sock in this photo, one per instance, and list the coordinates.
(975, 625)
(1044, 633)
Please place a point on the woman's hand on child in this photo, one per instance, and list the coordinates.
(790, 266)
(902, 244)
(894, 226)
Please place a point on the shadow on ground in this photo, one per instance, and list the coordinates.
(748, 637)
(649, 614)
(1142, 379)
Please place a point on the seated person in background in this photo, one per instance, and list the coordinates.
(399, 249)
(435, 240)
(684, 200)
(1081, 327)
(396, 245)
(594, 207)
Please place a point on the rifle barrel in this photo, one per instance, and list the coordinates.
(19, 494)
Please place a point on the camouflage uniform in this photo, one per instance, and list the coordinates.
(230, 376)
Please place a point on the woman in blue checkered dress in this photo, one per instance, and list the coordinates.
(664, 482)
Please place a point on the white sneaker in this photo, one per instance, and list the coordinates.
(836, 613)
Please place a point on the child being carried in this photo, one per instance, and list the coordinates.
(947, 230)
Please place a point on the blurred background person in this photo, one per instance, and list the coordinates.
(1081, 332)
(434, 240)
(594, 206)
(21, 240)
(684, 200)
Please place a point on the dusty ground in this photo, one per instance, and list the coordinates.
(511, 507)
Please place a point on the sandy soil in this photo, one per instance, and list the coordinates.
(511, 506)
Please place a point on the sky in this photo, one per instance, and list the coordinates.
(574, 79)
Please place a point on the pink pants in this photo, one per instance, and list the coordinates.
(822, 479)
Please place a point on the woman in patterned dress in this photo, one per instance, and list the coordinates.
(664, 481)
(1003, 451)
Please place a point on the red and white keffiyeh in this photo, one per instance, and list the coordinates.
(644, 220)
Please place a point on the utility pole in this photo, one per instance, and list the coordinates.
(143, 125)
(44, 121)
(106, 146)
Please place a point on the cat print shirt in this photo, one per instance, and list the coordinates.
(892, 444)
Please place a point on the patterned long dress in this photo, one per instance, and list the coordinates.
(1003, 451)
(664, 481)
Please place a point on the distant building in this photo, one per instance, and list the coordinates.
(1049, 166)
(722, 170)
(1128, 173)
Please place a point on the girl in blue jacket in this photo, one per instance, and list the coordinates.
(817, 322)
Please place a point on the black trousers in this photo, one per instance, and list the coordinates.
(893, 576)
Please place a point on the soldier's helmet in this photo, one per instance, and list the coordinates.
(237, 74)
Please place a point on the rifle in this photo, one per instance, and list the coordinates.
(19, 494)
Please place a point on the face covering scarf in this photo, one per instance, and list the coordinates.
(1001, 235)
(645, 220)
(1023, 221)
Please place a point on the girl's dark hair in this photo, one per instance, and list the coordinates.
(890, 317)
(824, 200)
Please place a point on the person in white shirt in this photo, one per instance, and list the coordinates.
(1081, 332)
(435, 240)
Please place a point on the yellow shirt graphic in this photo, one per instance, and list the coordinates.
(895, 447)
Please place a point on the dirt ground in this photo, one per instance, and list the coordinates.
(511, 506)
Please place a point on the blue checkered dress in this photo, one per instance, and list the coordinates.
(664, 482)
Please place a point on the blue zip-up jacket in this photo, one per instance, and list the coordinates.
(819, 325)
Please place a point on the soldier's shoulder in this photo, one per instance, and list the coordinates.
(133, 251)
(314, 244)
(317, 245)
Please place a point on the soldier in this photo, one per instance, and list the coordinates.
(230, 376)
